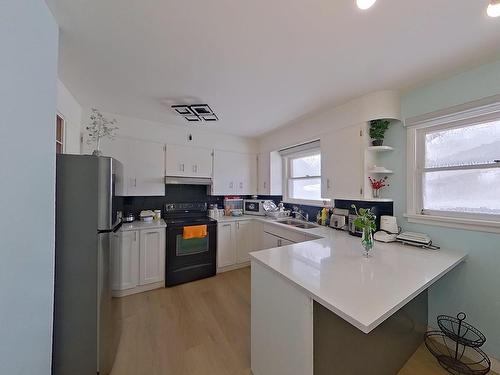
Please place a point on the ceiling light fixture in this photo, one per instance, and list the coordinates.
(494, 8)
(195, 112)
(365, 4)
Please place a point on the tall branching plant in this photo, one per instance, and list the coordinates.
(100, 127)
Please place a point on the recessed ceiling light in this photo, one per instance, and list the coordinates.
(365, 4)
(494, 8)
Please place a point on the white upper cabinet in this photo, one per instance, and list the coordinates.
(234, 173)
(342, 163)
(188, 161)
(143, 165)
(269, 173)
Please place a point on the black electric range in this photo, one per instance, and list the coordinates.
(193, 258)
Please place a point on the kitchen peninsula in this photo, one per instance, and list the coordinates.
(320, 305)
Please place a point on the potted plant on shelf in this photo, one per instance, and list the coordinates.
(377, 185)
(99, 127)
(377, 131)
(366, 222)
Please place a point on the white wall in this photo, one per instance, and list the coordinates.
(28, 70)
(172, 134)
(380, 104)
(71, 111)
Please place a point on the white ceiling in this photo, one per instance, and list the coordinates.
(260, 63)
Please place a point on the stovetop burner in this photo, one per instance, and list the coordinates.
(177, 214)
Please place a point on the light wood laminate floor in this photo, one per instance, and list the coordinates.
(201, 328)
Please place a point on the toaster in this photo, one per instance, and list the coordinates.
(338, 220)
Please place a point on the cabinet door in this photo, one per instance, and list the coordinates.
(119, 148)
(125, 258)
(269, 241)
(234, 173)
(147, 169)
(152, 256)
(270, 175)
(342, 164)
(263, 173)
(188, 161)
(177, 160)
(284, 242)
(226, 244)
(224, 182)
(244, 240)
(200, 162)
(143, 165)
(248, 175)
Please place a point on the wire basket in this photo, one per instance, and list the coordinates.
(460, 331)
(456, 358)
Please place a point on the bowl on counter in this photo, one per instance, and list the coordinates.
(237, 212)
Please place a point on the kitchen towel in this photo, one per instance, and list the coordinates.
(194, 231)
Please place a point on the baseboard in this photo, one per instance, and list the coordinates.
(138, 289)
(233, 267)
(495, 363)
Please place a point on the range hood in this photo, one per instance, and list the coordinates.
(174, 180)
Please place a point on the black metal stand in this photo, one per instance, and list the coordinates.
(456, 346)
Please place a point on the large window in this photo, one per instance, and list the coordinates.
(454, 169)
(302, 173)
(461, 172)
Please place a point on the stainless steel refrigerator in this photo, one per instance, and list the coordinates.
(84, 337)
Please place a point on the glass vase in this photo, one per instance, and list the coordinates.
(97, 151)
(367, 241)
(376, 193)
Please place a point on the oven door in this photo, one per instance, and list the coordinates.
(190, 259)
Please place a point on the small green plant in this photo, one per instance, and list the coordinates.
(378, 129)
(365, 220)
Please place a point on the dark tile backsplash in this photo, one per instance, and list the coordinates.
(173, 194)
(199, 193)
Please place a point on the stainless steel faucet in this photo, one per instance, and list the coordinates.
(297, 211)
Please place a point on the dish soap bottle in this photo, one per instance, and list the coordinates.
(324, 215)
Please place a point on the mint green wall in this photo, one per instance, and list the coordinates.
(475, 286)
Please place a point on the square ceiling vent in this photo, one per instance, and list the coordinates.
(195, 112)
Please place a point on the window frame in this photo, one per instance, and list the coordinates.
(287, 168)
(461, 116)
(62, 142)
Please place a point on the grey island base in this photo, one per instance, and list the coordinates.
(341, 348)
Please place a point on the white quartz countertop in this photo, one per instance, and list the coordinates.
(140, 225)
(363, 291)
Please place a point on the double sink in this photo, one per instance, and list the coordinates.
(297, 223)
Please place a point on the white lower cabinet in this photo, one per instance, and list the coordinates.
(244, 240)
(152, 256)
(125, 260)
(226, 244)
(270, 240)
(235, 241)
(138, 261)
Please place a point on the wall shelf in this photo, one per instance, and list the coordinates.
(380, 148)
(380, 171)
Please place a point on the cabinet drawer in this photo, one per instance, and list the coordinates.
(284, 233)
